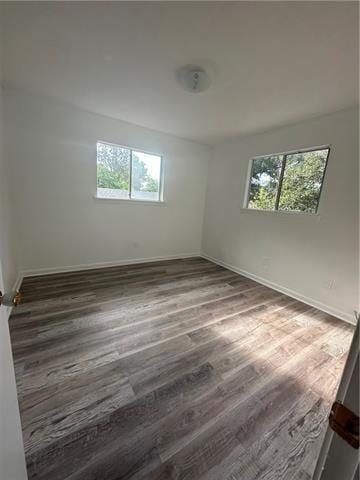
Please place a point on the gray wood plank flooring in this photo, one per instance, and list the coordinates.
(172, 370)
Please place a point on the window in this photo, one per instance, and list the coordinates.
(123, 173)
(288, 181)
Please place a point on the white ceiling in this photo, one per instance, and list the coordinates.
(271, 63)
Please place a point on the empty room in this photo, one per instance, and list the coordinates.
(179, 240)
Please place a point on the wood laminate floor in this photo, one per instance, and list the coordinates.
(172, 370)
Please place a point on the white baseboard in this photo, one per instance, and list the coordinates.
(90, 266)
(291, 293)
(280, 288)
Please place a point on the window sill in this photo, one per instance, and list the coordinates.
(279, 212)
(156, 203)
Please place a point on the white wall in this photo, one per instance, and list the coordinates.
(8, 237)
(12, 459)
(298, 252)
(52, 149)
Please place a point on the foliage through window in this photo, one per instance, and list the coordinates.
(124, 173)
(290, 181)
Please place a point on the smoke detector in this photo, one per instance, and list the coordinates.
(194, 79)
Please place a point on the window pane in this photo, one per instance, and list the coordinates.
(264, 182)
(145, 176)
(303, 176)
(113, 171)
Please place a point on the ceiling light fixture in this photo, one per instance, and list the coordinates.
(194, 79)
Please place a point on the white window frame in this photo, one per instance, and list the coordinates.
(160, 199)
(285, 153)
